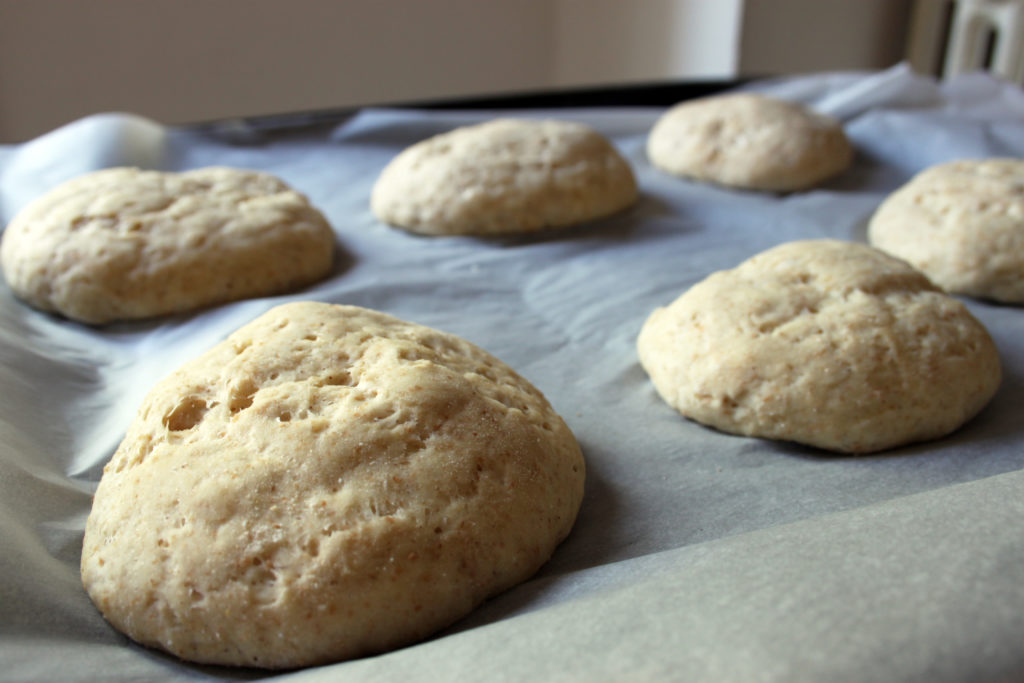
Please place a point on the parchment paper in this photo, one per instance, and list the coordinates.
(697, 555)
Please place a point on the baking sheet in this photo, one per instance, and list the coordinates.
(697, 555)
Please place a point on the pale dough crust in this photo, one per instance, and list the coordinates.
(826, 343)
(123, 243)
(749, 141)
(962, 224)
(326, 483)
(504, 176)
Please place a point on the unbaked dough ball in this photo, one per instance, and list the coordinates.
(326, 483)
(962, 224)
(749, 141)
(504, 176)
(122, 244)
(827, 343)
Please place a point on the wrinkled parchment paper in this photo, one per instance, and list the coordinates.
(697, 555)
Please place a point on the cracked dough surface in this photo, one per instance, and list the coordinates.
(504, 176)
(749, 141)
(827, 343)
(962, 224)
(326, 483)
(123, 243)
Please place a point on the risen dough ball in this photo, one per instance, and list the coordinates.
(749, 141)
(123, 244)
(962, 224)
(326, 483)
(827, 343)
(504, 176)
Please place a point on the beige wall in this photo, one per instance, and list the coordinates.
(799, 36)
(186, 60)
(609, 41)
(189, 60)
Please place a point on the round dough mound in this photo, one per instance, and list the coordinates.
(123, 244)
(749, 141)
(504, 176)
(962, 224)
(326, 483)
(827, 343)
